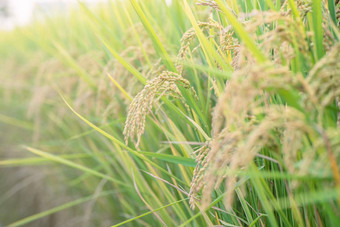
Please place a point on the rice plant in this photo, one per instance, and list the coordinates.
(188, 113)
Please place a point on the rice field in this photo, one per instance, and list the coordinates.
(181, 113)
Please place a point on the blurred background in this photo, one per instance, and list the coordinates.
(27, 190)
(21, 12)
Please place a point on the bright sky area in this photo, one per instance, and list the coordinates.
(21, 12)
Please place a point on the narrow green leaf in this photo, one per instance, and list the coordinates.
(122, 61)
(317, 28)
(171, 158)
(57, 209)
(74, 165)
(147, 213)
(139, 154)
(16, 122)
(152, 34)
(331, 8)
(35, 161)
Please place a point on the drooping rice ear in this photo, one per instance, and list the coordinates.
(163, 85)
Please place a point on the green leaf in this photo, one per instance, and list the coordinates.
(152, 34)
(57, 209)
(122, 61)
(331, 8)
(317, 28)
(74, 165)
(171, 158)
(147, 213)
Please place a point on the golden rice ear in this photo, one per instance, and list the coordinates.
(209, 3)
(324, 78)
(238, 135)
(225, 36)
(163, 85)
(201, 165)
